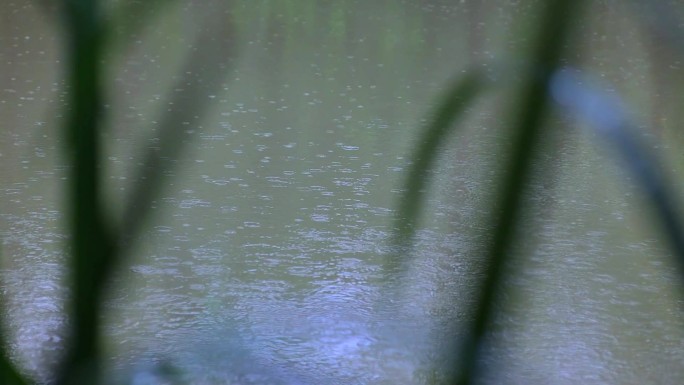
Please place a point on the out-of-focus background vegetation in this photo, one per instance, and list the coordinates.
(207, 192)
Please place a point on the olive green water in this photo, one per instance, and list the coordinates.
(264, 260)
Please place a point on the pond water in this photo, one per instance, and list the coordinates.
(265, 260)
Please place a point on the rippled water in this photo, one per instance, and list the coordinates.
(264, 261)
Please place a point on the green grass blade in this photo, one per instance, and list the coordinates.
(9, 374)
(131, 17)
(210, 62)
(555, 23)
(96, 250)
(89, 240)
(454, 104)
(605, 113)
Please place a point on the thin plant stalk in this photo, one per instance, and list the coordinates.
(454, 105)
(9, 374)
(555, 24)
(97, 248)
(606, 115)
(90, 243)
(212, 59)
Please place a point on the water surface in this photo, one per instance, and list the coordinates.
(264, 261)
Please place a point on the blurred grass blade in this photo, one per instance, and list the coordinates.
(556, 21)
(89, 240)
(131, 17)
(461, 95)
(606, 114)
(202, 75)
(96, 252)
(9, 374)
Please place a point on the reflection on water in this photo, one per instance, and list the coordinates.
(264, 261)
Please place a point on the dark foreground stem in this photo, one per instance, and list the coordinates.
(90, 246)
(452, 106)
(551, 36)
